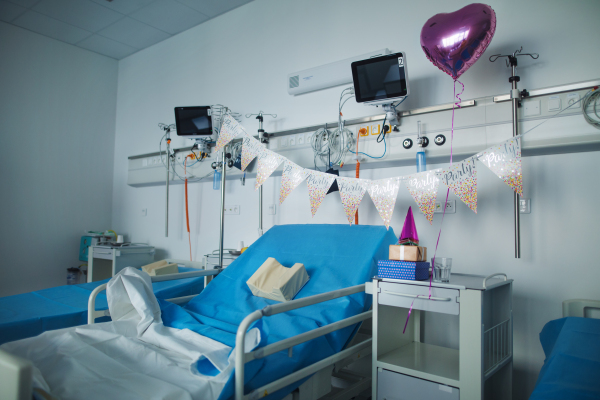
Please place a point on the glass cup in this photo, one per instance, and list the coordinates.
(441, 269)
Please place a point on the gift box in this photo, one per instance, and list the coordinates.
(407, 270)
(408, 253)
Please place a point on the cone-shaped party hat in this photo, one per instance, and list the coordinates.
(409, 230)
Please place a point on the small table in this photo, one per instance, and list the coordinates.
(467, 354)
(105, 261)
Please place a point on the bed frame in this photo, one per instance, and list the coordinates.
(322, 372)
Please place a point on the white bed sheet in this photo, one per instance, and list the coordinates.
(135, 356)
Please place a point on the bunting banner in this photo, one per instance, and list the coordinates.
(230, 129)
(318, 184)
(268, 161)
(292, 176)
(505, 161)
(352, 190)
(423, 187)
(383, 192)
(250, 149)
(461, 178)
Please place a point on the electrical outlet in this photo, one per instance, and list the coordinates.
(363, 131)
(232, 210)
(531, 107)
(272, 209)
(524, 206)
(375, 129)
(283, 141)
(300, 139)
(144, 162)
(450, 207)
(292, 141)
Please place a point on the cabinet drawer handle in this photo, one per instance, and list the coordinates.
(421, 296)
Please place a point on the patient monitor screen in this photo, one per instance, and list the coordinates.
(379, 78)
(193, 121)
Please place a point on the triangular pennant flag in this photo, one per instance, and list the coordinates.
(383, 192)
(291, 177)
(318, 184)
(461, 178)
(352, 191)
(230, 129)
(250, 149)
(423, 187)
(268, 161)
(505, 161)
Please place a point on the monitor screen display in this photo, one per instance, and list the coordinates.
(380, 78)
(193, 121)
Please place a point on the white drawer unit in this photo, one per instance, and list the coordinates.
(457, 343)
(395, 386)
(442, 300)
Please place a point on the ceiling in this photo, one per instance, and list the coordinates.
(114, 28)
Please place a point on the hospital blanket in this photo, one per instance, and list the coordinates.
(29, 314)
(572, 366)
(132, 357)
(335, 257)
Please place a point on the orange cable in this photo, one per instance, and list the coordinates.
(357, 173)
(187, 214)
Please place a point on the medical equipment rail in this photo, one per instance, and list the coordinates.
(241, 357)
(457, 343)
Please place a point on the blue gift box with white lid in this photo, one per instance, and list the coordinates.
(407, 270)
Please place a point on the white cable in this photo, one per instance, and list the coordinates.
(587, 101)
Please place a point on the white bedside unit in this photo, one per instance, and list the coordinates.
(457, 345)
(105, 261)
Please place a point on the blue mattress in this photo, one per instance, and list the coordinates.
(572, 366)
(29, 314)
(335, 257)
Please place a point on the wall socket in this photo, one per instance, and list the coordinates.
(525, 206)
(272, 209)
(450, 207)
(232, 210)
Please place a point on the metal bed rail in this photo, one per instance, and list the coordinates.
(241, 357)
(93, 313)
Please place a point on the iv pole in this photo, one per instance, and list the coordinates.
(264, 138)
(515, 96)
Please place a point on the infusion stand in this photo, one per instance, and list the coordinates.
(515, 96)
(168, 160)
(263, 137)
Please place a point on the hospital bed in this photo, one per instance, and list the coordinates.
(305, 339)
(572, 347)
(29, 314)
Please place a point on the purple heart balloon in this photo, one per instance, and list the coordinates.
(454, 41)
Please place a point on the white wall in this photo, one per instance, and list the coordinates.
(57, 115)
(242, 59)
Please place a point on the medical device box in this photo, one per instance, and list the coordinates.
(407, 270)
(407, 253)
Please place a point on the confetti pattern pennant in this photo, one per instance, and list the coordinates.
(318, 184)
(292, 176)
(352, 191)
(250, 149)
(423, 187)
(268, 161)
(383, 192)
(461, 178)
(230, 129)
(505, 161)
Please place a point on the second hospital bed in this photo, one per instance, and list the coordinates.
(300, 337)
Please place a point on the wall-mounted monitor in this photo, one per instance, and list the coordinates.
(380, 80)
(194, 122)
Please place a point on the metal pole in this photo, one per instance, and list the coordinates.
(260, 189)
(168, 173)
(515, 95)
(222, 230)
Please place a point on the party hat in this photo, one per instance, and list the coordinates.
(409, 230)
